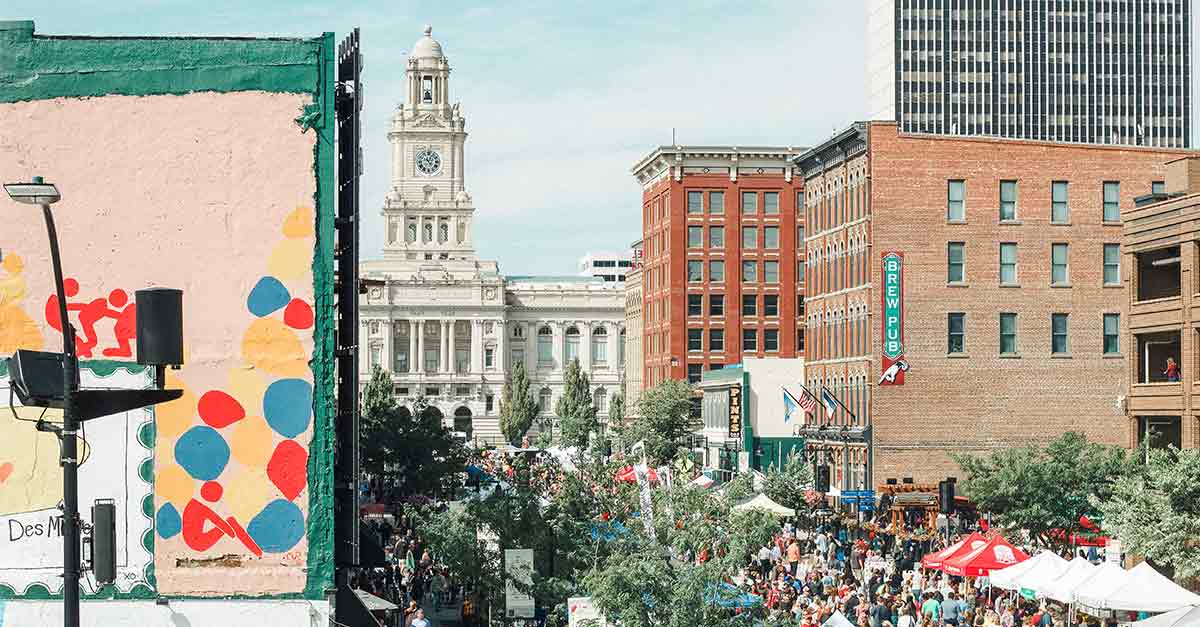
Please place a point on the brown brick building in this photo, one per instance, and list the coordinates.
(1162, 234)
(1007, 298)
(720, 235)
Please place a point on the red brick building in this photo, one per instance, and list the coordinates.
(1007, 296)
(720, 235)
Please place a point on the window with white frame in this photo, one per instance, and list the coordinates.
(545, 346)
(572, 344)
(599, 346)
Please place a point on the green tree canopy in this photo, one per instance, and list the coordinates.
(1043, 489)
(788, 484)
(616, 409)
(1155, 511)
(576, 413)
(665, 420)
(517, 405)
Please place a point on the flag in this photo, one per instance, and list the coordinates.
(788, 406)
(807, 401)
(830, 403)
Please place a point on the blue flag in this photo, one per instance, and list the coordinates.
(829, 401)
(789, 406)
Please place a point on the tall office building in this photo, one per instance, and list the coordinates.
(1090, 71)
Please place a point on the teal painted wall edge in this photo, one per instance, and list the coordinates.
(38, 67)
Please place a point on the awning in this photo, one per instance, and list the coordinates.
(764, 503)
(936, 559)
(1062, 588)
(1142, 590)
(374, 603)
(997, 553)
(1183, 617)
(1010, 578)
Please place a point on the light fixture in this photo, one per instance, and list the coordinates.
(35, 193)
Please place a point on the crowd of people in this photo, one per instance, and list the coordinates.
(410, 579)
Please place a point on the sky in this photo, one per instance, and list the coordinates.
(561, 97)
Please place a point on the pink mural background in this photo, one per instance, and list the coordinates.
(213, 194)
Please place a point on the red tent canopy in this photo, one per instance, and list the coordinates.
(997, 553)
(628, 475)
(966, 545)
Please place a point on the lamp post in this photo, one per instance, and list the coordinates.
(45, 194)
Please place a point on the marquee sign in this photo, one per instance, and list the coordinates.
(892, 300)
(735, 410)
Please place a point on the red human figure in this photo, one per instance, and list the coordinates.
(89, 315)
(71, 289)
(196, 514)
(125, 329)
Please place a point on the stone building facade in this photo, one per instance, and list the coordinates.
(448, 325)
(633, 332)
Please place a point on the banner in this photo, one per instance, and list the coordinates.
(892, 300)
(518, 566)
(643, 481)
(735, 411)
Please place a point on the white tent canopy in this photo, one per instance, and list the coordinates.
(1037, 580)
(838, 619)
(1062, 589)
(1092, 591)
(1009, 578)
(765, 503)
(1142, 590)
(1188, 616)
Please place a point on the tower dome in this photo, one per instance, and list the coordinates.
(427, 47)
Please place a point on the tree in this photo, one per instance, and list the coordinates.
(377, 438)
(616, 409)
(1155, 511)
(1045, 491)
(517, 405)
(576, 413)
(665, 420)
(788, 484)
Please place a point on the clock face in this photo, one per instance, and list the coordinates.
(429, 162)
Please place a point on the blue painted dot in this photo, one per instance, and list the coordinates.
(267, 297)
(278, 527)
(167, 521)
(287, 406)
(202, 452)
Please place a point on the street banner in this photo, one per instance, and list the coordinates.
(894, 364)
(643, 481)
(518, 566)
(581, 612)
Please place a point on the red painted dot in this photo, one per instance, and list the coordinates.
(211, 491)
(288, 468)
(218, 409)
(298, 314)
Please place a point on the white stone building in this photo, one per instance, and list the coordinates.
(610, 266)
(448, 325)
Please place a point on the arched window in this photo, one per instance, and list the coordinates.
(462, 232)
(412, 232)
(600, 400)
(599, 346)
(545, 346)
(544, 401)
(572, 345)
(443, 232)
(428, 232)
(518, 332)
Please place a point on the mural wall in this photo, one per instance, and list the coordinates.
(225, 191)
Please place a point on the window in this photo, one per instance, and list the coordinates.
(799, 235)
(1112, 201)
(716, 339)
(749, 237)
(489, 403)
(799, 339)
(956, 210)
(1059, 211)
(489, 357)
(1160, 432)
(544, 398)
(749, 271)
(1158, 187)
(749, 203)
(433, 391)
(716, 304)
(517, 355)
(427, 89)
(695, 339)
(600, 346)
(715, 366)
(1158, 274)
(716, 237)
(1112, 264)
(771, 271)
(1059, 255)
(376, 356)
(716, 270)
(1058, 333)
(572, 344)
(600, 400)
(695, 304)
(770, 203)
(1154, 350)
(749, 305)
(771, 237)
(693, 372)
(695, 271)
(695, 236)
(800, 267)
(799, 304)
(749, 340)
(695, 202)
(716, 202)
(1112, 332)
(1008, 334)
(770, 304)
(1008, 200)
(955, 270)
(545, 346)
(462, 390)
(771, 340)
(1008, 263)
(956, 333)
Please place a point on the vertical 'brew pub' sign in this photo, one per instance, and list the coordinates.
(894, 363)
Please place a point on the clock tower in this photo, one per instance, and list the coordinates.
(427, 213)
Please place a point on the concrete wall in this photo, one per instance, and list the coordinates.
(769, 376)
(202, 164)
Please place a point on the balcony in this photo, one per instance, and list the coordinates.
(1154, 350)
(1158, 274)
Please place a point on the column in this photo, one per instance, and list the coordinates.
(501, 347)
(451, 348)
(389, 362)
(559, 346)
(442, 343)
(414, 358)
(531, 347)
(585, 346)
(614, 347)
(419, 341)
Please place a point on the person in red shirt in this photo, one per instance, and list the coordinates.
(1172, 370)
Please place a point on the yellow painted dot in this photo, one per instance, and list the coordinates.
(173, 418)
(13, 264)
(172, 483)
(252, 441)
(247, 492)
(272, 347)
(299, 223)
(291, 259)
(247, 386)
(17, 329)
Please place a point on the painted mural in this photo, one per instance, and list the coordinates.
(226, 214)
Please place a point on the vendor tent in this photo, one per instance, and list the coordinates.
(1033, 583)
(1062, 588)
(997, 553)
(838, 619)
(1188, 616)
(966, 545)
(1007, 578)
(1143, 589)
(764, 502)
(1107, 578)
(702, 481)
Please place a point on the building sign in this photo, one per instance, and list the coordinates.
(892, 293)
(735, 410)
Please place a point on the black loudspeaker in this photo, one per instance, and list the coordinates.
(160, 326)
(104, 541)
(822, 478)
(946, 496)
